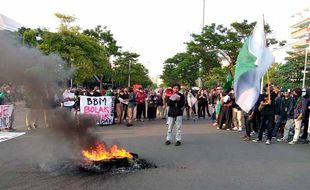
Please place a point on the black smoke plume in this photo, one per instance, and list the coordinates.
(40, 75)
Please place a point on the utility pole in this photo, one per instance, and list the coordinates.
(129, 65)
(203, 13)
(305, 69)
(203, 24)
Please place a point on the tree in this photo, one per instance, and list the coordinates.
(275, 75)
(217, 78)
(65, 21)
(139, 75)
(290, 74)
(170, 75)
(127, 63)
(217, 43)
(105, 38)
(82, 53)
(90, 54)
(185, 70)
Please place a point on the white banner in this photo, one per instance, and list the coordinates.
(102, 106)
(4, 136)
(5, 115)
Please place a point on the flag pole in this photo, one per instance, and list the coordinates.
(261, 85)
(268, 79)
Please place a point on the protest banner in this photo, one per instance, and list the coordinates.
(101, 107)
(5, 115)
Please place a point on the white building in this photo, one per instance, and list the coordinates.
(8, 24)
(301, 28)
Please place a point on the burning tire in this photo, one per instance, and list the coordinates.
(100, 159)
(116, 165)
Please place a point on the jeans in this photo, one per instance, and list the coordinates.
(201, 110)
(279, 119)
(289, 124)
(247, 124)
(178, 123)
(140, 111)
(267, 122)
(305, 132)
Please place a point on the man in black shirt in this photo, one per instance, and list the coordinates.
(281, 108)
(176, 103)
(267, 111)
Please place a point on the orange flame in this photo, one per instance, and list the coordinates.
(100, 152)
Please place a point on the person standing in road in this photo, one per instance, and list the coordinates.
(176, 103)
(131, 106)
(267, 111)
(140, 99)
(202, 103)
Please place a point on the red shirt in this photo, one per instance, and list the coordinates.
(140, 97)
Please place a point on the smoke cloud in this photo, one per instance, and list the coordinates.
(39, 76)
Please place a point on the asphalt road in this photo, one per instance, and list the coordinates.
(207, 159)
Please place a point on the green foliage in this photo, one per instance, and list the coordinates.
(290, 74)
(89, 53)
(139, 75)
(170, 75)
(81, 52)
(218, 77)
(105, 38)
(127, 63)
(214, 45)
(65, 21)
(182, 68)
(29, 37)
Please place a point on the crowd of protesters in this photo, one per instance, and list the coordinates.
(144, 104)
(279, 115)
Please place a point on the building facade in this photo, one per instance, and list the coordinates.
(301, 28)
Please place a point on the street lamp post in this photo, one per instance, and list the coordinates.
(129, 65)
(203, 13)
(203, 24)
(305, 69)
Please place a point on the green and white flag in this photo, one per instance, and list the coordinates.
(253, 62)
(229, 81)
